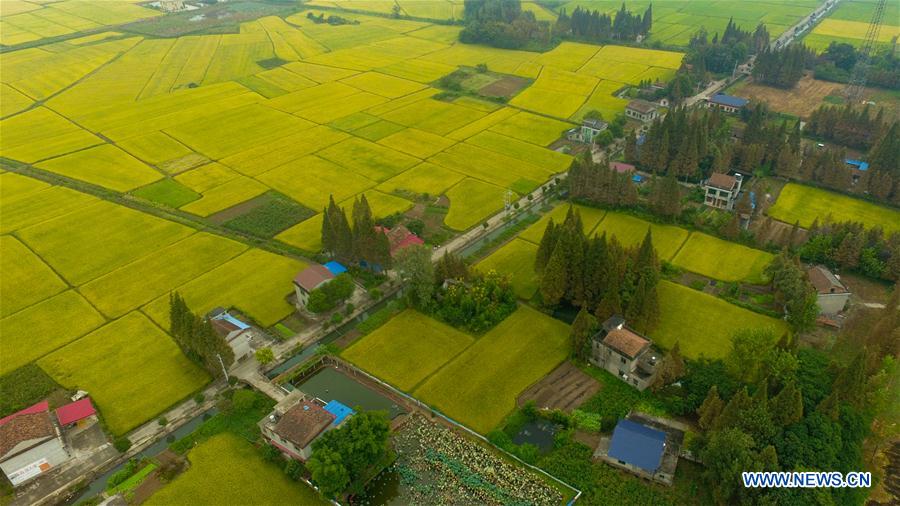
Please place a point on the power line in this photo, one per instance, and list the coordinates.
(857, 81)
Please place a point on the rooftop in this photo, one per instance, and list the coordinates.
(824, 281)
(310, 278)
(75, 411)
(621, 167)
(641, 106)
(303, 423)
(626, 341)
(858, 164)
(596, 124)
(335, 267)
(638, 445)
(400, 237)
(30, 423)
(723, 181)
(339, 410)
(729, 100)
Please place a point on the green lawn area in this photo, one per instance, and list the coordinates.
(630, 231)
(516, 260)
(805, 203)
(701, 323)
(228, 470)
(167, 192)
(407, 349)
(590, 216)
(727, 261)
(133, 370)
(479, 388)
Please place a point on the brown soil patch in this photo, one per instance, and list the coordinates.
(507, 87)
(347, 339)
(152, 482)
(238, 210)
(565, 388)
(800, 101)
(589, 439)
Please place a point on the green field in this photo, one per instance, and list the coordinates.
(479, 387)
(24, 278)
(516, 260)
(132, 349)
(807, 204)
(407, 349)
(251, 480)
(723, 260)
(630, 231)
(702, 324)
(471, 201)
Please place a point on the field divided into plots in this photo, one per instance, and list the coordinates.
(86, 282)
(849, 21)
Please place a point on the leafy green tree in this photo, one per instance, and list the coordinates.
(553, 282)
(749, 347)
(583, 328)
(329, 472)
(450, 266)
(710, 409)
(265, 355)
(546, 247)
(728, 453)
(787, 406)
(342, 456)
(416, 270)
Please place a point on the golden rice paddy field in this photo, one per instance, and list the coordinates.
(209, 122)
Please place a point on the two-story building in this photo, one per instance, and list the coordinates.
(313, 277)
(831, 294)
(297, 421)
(625, 353)
(722, 190)
(235, 332)
(642, 110)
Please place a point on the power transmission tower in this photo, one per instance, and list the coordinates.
(507, 200)
(860, 71)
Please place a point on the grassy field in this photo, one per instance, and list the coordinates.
(723, 260)
(630, 231)
(258, 482)
(24, 278)
(131, 347)
(515, 259)
(471, 201)
(807, 204)
(407, 349)
(702, 324)
(479, 387)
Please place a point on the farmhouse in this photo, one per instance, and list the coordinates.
(641, 110)
(625, 353)
(726, 103)
(831, 294)
(30, 444)
(313, 277)
(591, 128)
(235, 332)
(296, 422)
(857, 168)
(722, 190)
(80, 413)
(644, 445)
(400, 237)
(622, 167)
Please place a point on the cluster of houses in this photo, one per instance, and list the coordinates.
(35, 440)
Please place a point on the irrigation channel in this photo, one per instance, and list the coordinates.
(97, 486)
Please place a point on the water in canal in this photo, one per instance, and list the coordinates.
(332, 384)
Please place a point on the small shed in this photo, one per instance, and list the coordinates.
(335, 268)
(340, 411)
(637, 446)
(75, 412)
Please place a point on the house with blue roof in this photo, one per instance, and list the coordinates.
(727, 103)
(643, 445)
(235, 332)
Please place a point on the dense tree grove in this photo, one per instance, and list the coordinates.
(849, 126)
(598, 274)
(793, 291)
(196, 337)
(720, 54)
(599, 184)
(597, 26)
(503, 23)
(343, 458)
(782, 68)
(361, 243)
(837, 61)
(851, 246)
(771, 407)
(329, 295)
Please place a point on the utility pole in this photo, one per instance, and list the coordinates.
(222, 363)
(858, 78)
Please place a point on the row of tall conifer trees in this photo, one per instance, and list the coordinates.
(361, 242)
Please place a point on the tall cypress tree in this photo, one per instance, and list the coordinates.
(553, 283)
(546, 247)
(363, 234)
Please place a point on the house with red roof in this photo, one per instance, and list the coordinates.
(80, 412)
(30, 443)
(400, 237)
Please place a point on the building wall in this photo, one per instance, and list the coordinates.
(303, 453)
(616, 364)
(52, 450)
(240, 344)
(302, 296)
(832, 303)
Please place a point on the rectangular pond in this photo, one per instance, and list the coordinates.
(331, 384)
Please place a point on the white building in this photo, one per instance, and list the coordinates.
(722, 190)
(831, 294)
(30, 444)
